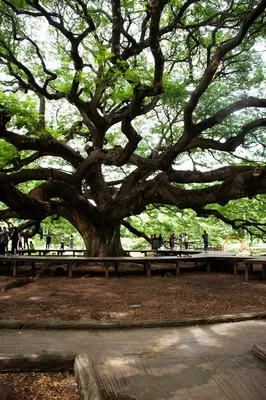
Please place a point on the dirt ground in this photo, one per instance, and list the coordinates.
(89, 296)
(38, 386)
(162, 297)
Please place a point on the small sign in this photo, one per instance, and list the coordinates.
(134, 304)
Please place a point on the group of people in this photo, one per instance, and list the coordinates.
(71, 242)
(16, 240)
(158, 242)
(21, 241)
(182, 241)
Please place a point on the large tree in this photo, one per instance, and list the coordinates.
(108, 106)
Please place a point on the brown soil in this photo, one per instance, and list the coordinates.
(38, 386)
(192, 294)
(162, 297)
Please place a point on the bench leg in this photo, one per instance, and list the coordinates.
(208, 266)
(145, 268)
(235, 267)
(177, 269)
(148, 270)
(263, 271)
(33, 266)
(70, 270)
(106, 272)
(116, 267)
(15, 267)
(246, 271)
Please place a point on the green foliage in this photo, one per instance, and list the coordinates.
(8, 153)
(71, 56)
(23, 110)
(165, 221)
(57, 227)
(175, 94)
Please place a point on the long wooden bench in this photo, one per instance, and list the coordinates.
(149, 263)
(164, 252)
(45, 252)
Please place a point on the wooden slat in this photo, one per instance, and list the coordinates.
(88, 385)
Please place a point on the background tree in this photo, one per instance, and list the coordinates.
(108, 107)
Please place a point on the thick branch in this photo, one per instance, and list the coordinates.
(210, 71)
(225, 112)
(22, 204)
(135, 231)
(45, 144)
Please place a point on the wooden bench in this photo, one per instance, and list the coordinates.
(107, 262)
(149, 263)
(44, 252)
(252, 261)
(166, 252)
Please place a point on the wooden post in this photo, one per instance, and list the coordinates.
(145, 268)
(177, 269)
(70, 269)
(88, 384)
(263, 271)
(235, 267)
(106, 271)
(15, 268)
(116, 267)
(33, 266)
(148, 270)
(208, 266)
(246, 271)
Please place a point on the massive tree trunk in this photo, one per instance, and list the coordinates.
(99, 241)
(103, 242)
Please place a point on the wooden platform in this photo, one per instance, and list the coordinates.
(250, 262)
(107, 264)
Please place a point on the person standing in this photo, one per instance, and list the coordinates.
(6, 239)
(62, 244)
(205, 238)
(71, 242)
(186, 241)
(2, 242)
(48, 241)
(155, 242)
(26, 240)
(172, 241)
(20, 242)
(14, 241)
(160, 241)
(180, 242)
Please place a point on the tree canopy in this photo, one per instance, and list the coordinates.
(110, 106)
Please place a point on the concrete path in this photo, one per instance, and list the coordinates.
(193, 363)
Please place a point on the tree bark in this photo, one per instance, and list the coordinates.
(101, 241)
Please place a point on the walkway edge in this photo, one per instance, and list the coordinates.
(86, 378)
(59, 324)
(259, 351)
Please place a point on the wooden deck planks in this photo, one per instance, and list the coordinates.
(219, 378)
